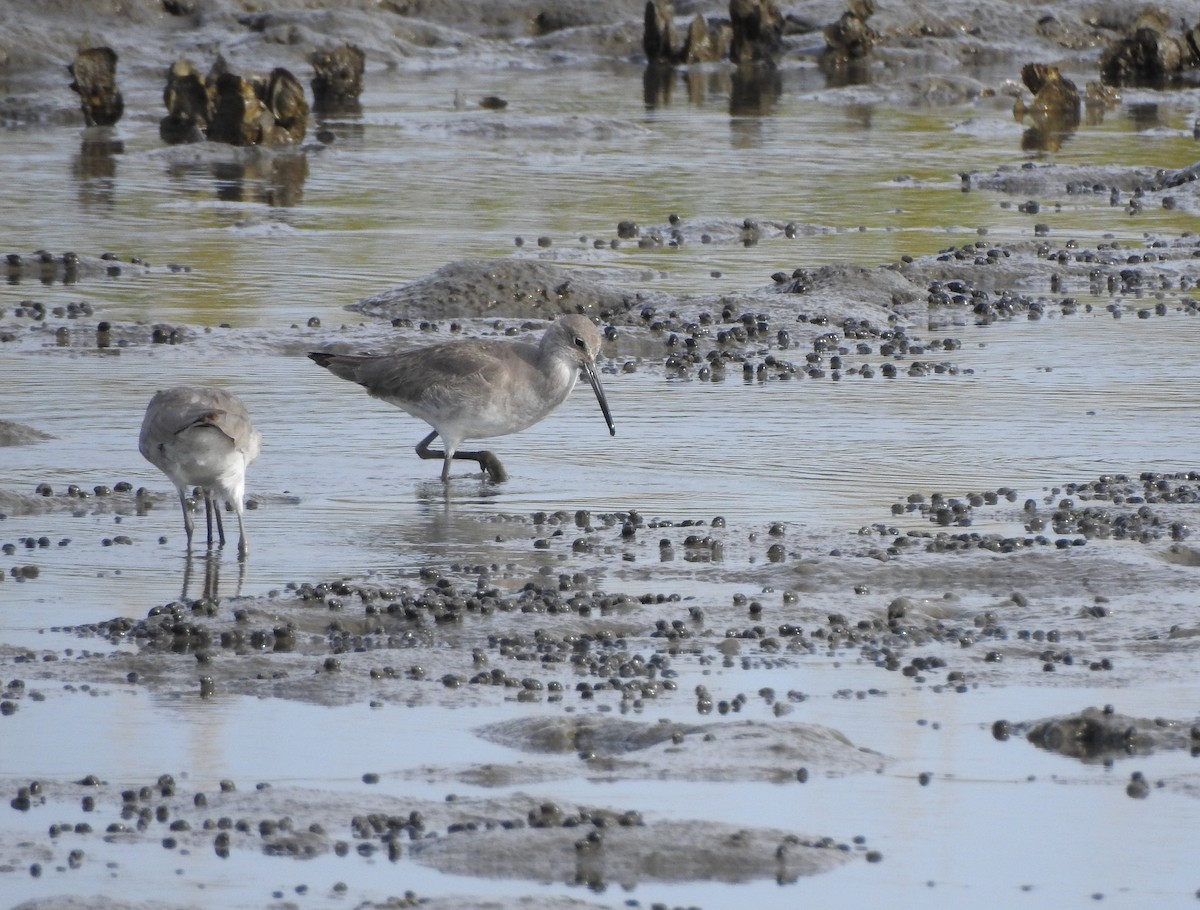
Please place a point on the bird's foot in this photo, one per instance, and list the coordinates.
(492, 467)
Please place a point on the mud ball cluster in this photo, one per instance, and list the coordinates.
(131, 335)
(168, 628)
(48, 268)
(403, 619)
(1145, 509)
(13, 691)
(42, 266)
(979, 252)
(985, 305)
(948, 511)
(1131, 514)
(835, 353)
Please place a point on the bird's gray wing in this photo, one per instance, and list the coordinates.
(174, 410)
(441, 373)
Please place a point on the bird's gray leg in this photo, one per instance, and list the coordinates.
(424, 451)
(208, 516)
(487, 461)
(187, 517)
(243, 546)
(212, 508)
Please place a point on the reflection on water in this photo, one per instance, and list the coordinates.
(336, 109)
(1146, 115)
(841, 73)
(210, 566)
(823, 456)
(1048, 130)
(342, 132)
(248, 174)
(48, 269)
(753, 89)
(94, 168)
(370, 194)
(406, 188)
(658, 81)
(272, 179)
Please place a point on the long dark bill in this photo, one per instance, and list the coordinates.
(594, 381)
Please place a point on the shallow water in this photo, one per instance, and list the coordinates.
(821, 456)
(996, 819)
(414, 184)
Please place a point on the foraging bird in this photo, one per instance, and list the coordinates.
(202, 437)
(476, 388)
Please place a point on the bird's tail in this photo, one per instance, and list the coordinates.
(214, 418)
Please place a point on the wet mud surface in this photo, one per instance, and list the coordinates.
(555, 646)
(660, 707)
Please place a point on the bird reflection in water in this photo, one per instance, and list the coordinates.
(211, 567)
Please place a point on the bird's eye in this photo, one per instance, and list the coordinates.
(580, 343)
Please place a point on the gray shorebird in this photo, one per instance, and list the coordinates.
(477, 388)
(201, 437)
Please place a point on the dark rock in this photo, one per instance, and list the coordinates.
(1100, 735)
(338, 78)
(757, 31)
(706, 40)
(1052, 93)
(1054, 111)
(850, 37)
(240, 117)
(285, 100)
(658, 37)
(259, 112)
(189, 104)
(94, 75)
(1148, 56)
